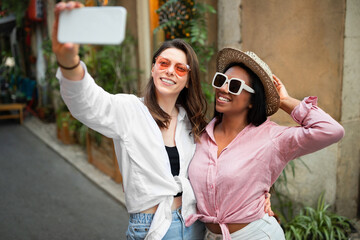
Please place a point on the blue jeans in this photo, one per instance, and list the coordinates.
(139, 224)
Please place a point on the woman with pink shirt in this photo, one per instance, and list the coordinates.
(242, 153)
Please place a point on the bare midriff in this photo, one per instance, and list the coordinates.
(175, 205)
(233, 227)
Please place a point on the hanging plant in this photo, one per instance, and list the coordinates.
(18, 8)
(174, 18)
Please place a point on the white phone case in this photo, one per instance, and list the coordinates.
(92, 25)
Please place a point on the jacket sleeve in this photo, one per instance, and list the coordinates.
(317, 130)
(104, 112)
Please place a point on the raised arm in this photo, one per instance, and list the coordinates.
(317, 129)
(67, 54)
(287, 103)
(106, 113)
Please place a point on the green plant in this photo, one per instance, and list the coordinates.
(52, 87)
(18, 8)
(284, 207)
(283, 179)
(63, 117)
(113, 66)
(317, 224)
(96, 136)
(51, 65)
(199, 36)
(83, 130)
(75, 128)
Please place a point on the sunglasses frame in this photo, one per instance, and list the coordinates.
(242, 86)
(186, 65)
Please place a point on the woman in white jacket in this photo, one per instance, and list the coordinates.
(154, 136)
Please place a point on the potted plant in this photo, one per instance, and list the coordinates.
(66, 127)
(318, 223)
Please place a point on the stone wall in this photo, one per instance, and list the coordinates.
(229, 23)
(347, 192)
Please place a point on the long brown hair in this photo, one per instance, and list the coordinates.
(191, 99)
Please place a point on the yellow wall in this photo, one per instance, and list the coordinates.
(302, 42)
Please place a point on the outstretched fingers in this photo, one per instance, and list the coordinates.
(59, 7)
(277, 81)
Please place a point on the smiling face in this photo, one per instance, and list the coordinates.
(167, 82)
(228, 103)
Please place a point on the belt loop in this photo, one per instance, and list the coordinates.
(266, 218)
(178, 212)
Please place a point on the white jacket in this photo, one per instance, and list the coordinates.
(139, 146)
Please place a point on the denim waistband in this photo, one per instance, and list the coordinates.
(146, 218)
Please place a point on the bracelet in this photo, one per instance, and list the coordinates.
(68, 68)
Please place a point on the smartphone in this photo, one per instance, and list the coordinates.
(92, 25)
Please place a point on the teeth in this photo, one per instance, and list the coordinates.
(224, 99)
(167, 81)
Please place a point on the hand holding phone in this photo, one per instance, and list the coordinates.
(92, 25)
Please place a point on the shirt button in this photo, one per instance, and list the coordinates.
(211, 186)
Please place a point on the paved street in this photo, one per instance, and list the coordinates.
(42, 196)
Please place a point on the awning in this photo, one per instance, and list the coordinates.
(7, 24)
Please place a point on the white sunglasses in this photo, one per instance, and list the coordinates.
(235, 85)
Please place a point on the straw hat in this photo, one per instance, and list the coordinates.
(230, 55)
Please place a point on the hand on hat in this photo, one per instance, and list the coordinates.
(287, 103)
(280, 88)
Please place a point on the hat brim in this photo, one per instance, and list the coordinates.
(229, 56)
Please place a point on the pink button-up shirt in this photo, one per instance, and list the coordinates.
(231, 188)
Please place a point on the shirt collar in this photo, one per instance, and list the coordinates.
(182, 113)
(210, 129)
